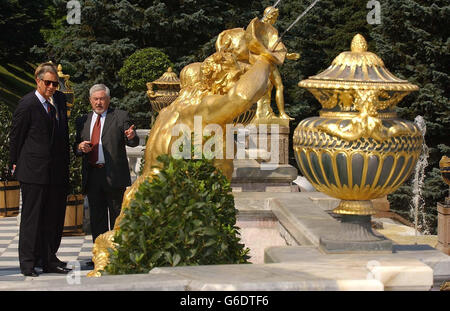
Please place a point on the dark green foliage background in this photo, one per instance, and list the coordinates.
(20, 24)
(78, 110)
(413, 40)
(5, 123)
(184, 216)
(111, 30)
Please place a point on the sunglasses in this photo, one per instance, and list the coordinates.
(48, 82)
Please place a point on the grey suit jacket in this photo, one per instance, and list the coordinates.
(113, 141)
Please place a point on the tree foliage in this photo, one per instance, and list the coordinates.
(75, 162)
(5, 124)
(111, 30)
(143, 66)
(413, 41)
(20, 24)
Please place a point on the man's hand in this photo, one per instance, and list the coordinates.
(85, 146)
(130, 133)
(13, 169)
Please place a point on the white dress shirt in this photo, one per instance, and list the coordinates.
(43, 100)
(101, 157)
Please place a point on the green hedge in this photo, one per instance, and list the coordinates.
(143, 66)
(184, 216)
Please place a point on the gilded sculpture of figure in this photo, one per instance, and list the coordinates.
(218, 90)
(264, 112)
(234, 39)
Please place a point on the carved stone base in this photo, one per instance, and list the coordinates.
(356, 235)
(248, 176)
(263, 141)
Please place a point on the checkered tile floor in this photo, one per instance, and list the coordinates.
(73, 248)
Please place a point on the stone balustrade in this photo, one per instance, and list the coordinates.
(135, 154)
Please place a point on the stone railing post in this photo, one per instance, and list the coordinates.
(135, 154)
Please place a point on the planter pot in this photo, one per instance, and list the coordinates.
(73, 222)
(9, 198)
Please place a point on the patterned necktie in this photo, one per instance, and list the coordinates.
(52, 115)
(95, 139)
(51, 110)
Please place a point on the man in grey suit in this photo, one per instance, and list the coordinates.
(101, 138)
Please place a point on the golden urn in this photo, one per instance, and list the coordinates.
(357, 149)
(168, 90)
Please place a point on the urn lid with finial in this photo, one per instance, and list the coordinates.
(358, 69)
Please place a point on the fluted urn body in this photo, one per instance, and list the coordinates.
(357, 149)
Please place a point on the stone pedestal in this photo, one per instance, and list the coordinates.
(355, 235)
(444, 227)
(381, 204)
(260, 171)
(135, 154)
(382, 208)
(263, 142)
(248, 176)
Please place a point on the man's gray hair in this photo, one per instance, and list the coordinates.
(99, 87)
(43, 69)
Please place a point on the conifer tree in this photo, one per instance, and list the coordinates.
(20, 22)
(413, 41)
(111, 30)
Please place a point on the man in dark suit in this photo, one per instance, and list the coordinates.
(102, 135)
(39, 156)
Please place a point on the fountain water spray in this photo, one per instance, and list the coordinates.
(294, 22)
(418, 208)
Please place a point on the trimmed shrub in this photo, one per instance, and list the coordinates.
(143, 66)
(184, 216)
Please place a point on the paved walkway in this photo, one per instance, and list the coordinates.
(76, 249)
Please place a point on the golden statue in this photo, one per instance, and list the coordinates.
(219, 89)
(264, 112)
(234, 39)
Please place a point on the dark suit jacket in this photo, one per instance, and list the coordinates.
(39, 148)
(113, 142)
